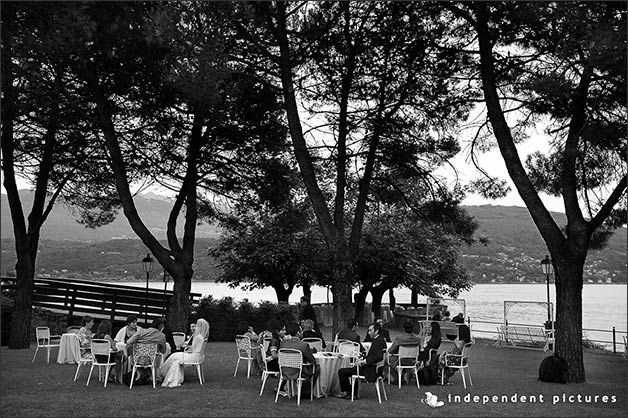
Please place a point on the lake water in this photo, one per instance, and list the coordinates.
(603, 305)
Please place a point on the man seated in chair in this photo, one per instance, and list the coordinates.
(368, 365)
(350, 333)
(407, 340)
(292, 340)
(385, 333)
(152, 334)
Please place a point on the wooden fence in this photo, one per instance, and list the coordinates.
(77, 298)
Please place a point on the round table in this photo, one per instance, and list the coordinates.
(69, 349)
(330, 363)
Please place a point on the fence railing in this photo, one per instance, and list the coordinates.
(99, 300)
(614, 341)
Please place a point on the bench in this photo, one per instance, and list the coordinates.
(526, 337)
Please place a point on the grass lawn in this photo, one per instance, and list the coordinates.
(41, 389)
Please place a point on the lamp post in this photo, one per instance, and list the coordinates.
(546, 266)
(147, 265)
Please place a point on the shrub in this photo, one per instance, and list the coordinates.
(225, 316)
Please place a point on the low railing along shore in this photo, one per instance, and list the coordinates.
(614, 341)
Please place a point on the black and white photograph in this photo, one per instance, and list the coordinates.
(314, 208)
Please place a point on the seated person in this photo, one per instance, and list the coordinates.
(104, 333)
(293, 341)
(85, 336)
(128, 330)
(250, 332)
(445, 316)
(172, 371)
(368, 365)
(464, 338)
(408, 339)
(277, 331)
(309, 332)
(458, 319)
(350, 333)
(188, 339)
(152, 334)
(385, 333)
(433, 343)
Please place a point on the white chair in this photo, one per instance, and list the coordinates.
(179, 339)
(350, 349)
(459, 361)
(315, 343)
(83, 360)
(197, 360)
(265, 371)
(379, 381)
(408, 360)
(291, 370)
(100, 347)
(243, 346)
(45, 340)
(144, 355)
(73, 329)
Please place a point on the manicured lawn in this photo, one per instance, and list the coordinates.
(41, 389)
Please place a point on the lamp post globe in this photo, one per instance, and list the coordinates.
(546, 267)
(147, 266)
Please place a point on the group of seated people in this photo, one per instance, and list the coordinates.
(170, 372)
(409, 339)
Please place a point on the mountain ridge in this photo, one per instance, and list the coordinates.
(114, 252)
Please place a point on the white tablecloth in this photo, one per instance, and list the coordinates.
(330, 363)
(69, 350)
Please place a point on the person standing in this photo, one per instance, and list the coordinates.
(368, 365)
(308, 312)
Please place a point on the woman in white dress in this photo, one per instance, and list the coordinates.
(172, 369)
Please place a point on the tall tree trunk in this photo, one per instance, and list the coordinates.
(22, 312)
(179, 310)
(391, 297)
(283, 294)
(378, 293)
(343, 303)
(569, 317)
(360, 301)
(307, 290)
(414, 298)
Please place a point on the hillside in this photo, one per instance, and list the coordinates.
(112, 252)
(516, 248)
(62, 225)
